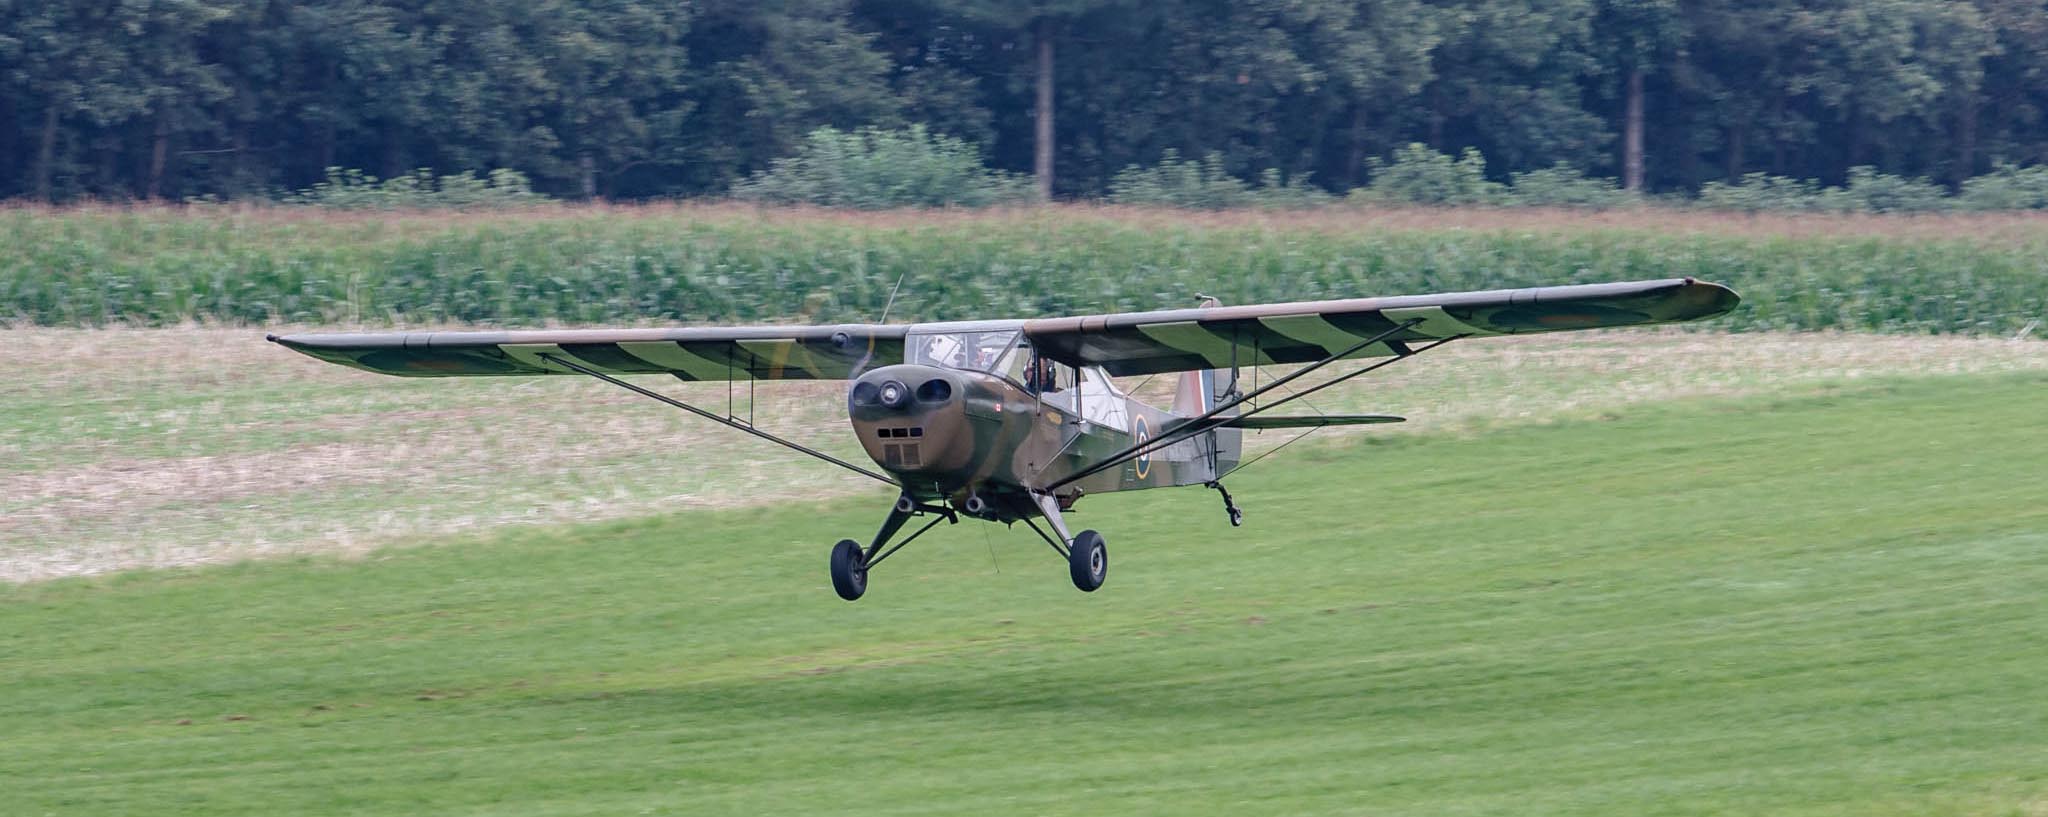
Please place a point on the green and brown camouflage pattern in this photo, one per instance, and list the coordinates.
(1123, 344)
(990, 435)
(971, 433)
(1139, 343)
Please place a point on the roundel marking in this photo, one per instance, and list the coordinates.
(1145, 459)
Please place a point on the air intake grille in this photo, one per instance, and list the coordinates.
(901, 456)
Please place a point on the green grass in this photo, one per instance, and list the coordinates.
(695, 264)
(223, 446)
(1820, 604)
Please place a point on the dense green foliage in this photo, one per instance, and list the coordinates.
(1565, 186)
(638, 98)
(1207, 185)
(707, 264)
(1418, 175)
(1788, 605)
(355, 190)
(874, 169)
(1867, 191)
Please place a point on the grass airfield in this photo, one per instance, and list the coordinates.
(133, 448)
(1816, 597)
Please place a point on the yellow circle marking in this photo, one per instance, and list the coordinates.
(1145, 460)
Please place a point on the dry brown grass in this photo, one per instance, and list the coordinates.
(141, 448)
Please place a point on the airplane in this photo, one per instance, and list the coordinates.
(1016, 420)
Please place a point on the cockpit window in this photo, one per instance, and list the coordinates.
(980, 351)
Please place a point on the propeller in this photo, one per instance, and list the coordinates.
(844, 342)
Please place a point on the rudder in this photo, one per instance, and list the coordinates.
(1204, 389)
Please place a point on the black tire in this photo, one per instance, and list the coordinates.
(1088, 561)
(849, 570)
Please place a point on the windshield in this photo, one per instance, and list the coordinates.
(981, 351)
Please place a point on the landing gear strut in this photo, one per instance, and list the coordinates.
(1230, 505)
(1087, 556)
(850, 564)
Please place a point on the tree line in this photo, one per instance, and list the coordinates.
(175, 99)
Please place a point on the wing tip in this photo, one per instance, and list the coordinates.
(1724, 299)
(296, 343)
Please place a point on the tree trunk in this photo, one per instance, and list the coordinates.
(238, 168)
(587, 164)
(1966, 139)
(108, 177)
(1778, 135)
(324, 149)
(1854, 140)
(8, 156)
(1436, 117)
(159, 154)
(1632, 135)
(393, 163)
(46, 155)
(1738, 142)
(328, 134)
(1357, 160)
(1041, 163)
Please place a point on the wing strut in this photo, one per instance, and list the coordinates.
(797, 447)
(1213, 418)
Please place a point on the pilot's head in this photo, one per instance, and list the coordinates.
(1041, 375)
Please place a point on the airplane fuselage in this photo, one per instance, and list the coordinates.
(953, 434)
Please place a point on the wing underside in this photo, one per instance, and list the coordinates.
(708, 353)
(1139, 343)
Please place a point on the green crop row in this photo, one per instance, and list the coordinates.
(592, 265)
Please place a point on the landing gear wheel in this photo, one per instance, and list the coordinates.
(1088, 561)
(850, 570)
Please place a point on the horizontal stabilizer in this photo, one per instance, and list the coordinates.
(1261, 421)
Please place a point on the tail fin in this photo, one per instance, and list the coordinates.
(1202, 390)
(1196, 394)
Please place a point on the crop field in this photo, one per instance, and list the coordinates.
(1965, 275)
(1821, 601)
(1789, 562)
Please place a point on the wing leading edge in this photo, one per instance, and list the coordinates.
(697, 353)
(1137, 343)
(1131, 343)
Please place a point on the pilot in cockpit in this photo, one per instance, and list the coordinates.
(1042, 377)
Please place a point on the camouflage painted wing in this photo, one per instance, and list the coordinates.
(696, 353)
(1136, 343)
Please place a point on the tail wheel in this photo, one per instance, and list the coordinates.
(1088, 561)
(850, 570)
